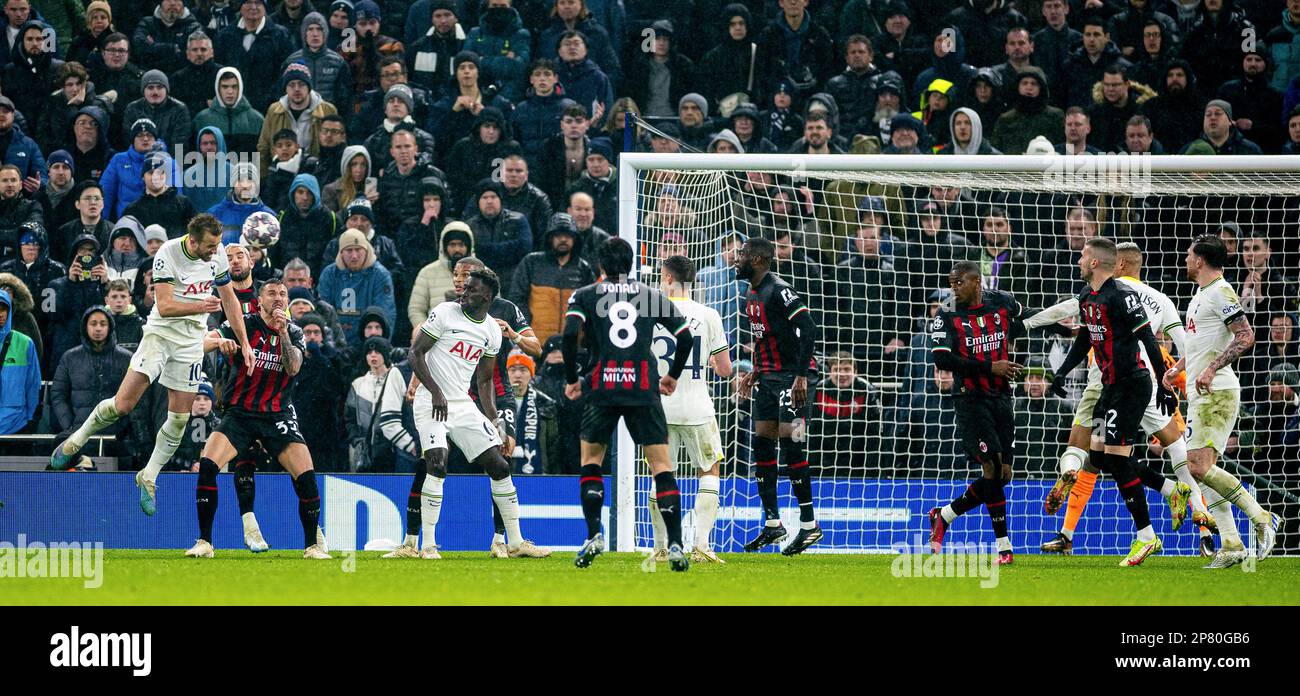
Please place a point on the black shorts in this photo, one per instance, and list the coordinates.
(1121, 407)
(986, 426)
(646, 424)
(773, 401)
(275, 431)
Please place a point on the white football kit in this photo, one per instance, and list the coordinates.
(459, 343)
(692, 421)
(171, 348)
(1211, 417)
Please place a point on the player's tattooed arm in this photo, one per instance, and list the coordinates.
(292, 353)
(1243, 337)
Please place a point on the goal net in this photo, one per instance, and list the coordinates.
(868, 240)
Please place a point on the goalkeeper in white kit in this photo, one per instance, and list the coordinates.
(692, 422)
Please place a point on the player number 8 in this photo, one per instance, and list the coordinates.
(622, 320)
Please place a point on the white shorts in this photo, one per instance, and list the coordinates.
(466, 425)
(1087, 402)
(1211, 418)
(1153, 420)
(703, 444)
(177, 366)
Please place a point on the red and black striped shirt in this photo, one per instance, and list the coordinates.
(982, 333)
(267, 390)
(772, 308)
(1113, 315)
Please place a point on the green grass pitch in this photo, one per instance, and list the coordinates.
(283, 577)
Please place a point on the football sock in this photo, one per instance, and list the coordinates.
(1224, 518)
(1077, 501)
(657, 520)
(498, 524)
(308, 505)
(967, 501)
(765, 469)
(1073, 459)
(1097, 458)
(413, 503)
(1151, 478)
(792, 456)
(706, 510)
(1177, 452)
(507, 500)
(164, 446)
(430, 508)
(205, 497)
(995, 502)
(1130, 488)
(1232, 490)
(592, 487)
(669, 501)
(245, 487)
(104, 415)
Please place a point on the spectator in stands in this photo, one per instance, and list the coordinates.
(20, 373)
(1004, 263)
(160, 39)
(31, 71)
(562, 454)
(209, 177)
(256, 46)
(351, 180)
(1077, 128)
(435, 278)
(948, 62)
(600, 182)
(429, 54)
(128, 324)
(88, 144)
(196, 82)
(693, 117)
(900, 49)
(169, 114)
(847, 411)
(1176, 114)
(122, 180)
(818, 136)
(1219, 135)
(1217, 40)
(1263, 290)
(926, 425)
(292, 13)
(300, 110)
(117, 79)
(239, 122)
(501, 237)
(967, 135)
(56, 204)
(23, 305)
(320, 387)
(1114, 102)
(1138, 137)
(401, 198)
(15, 210)
(455, 115)
(90, 38)
(289, 161)
(1039, 411)
(419, 238)
(243, 200)
(590, 237)
(888, 88)
(61, 106)
(718, 285)
(744, 122)
(88, 199)
(360, 216)
(161, 203)
(306, 226)
(1277, 421)
(1255, 104)
(342, 17)
(332, 142)
(729, 68)
(1279, 347)
(356, 280)
(391, 72)
(535, 426)
(371, 47)
(585, 83)
(657, 79)
(984, 24)
(28, 277)
(544, 280)
(1088, 63)
(1019, 49)
(203, 422)
(789, 50)
(1152, 56)
(801, 270)
(935, 250)
(504, 46)
(20, 150)
(82, 288)
(562, 157)
(1283, 43)
(537, 118)
(88, 374)
(574, 15)
(303, 299)
(125, 250)
(366, 450)
(935, 111)
(521, 196)
(1031, 115)
(330, 74)
(1126, 28)
(865, 321)
(907, 136)
(398, 106)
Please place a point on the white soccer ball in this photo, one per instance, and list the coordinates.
(261, 229)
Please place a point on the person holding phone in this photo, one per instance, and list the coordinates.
(83, 287)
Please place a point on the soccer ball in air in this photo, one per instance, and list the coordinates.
(261, 229)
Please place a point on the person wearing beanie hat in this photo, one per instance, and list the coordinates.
(544, 280)
(371, 361)
(533, 410)
(242, 201)
(435, 279)
(330, 73)
(55, 197)
(601, 147)
(505, 47)
(356, 281)
(1220, 134)
(370, 48)
(434, 37)
(502, 237)
(257, 46)
(1031, 113)
(693, 115)
(399, 112)
(90, 37)
(154, 234)
(301, 301)
(170, 116)
(161, 202)
(159, 41)
(300, 110)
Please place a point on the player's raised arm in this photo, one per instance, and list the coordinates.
(213, 340)
(1078, 353)
(235, 317)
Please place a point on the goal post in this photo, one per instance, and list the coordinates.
(871, 239)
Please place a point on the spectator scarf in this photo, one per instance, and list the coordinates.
(527, 457)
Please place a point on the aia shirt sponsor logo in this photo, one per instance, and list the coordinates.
(467, 351)
(202, 288)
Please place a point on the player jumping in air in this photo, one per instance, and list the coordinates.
(1217, 334)
(171, 350)
(259, 409)
(458, 341)
(692, 422)
(1117, 328)
(972, 339)
(1078, 475)
(618, 316)
(784, 339)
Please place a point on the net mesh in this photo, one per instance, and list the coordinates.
(868, 250)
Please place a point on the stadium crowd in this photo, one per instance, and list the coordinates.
(392, 139)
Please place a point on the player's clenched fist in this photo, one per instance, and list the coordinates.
(667, 385)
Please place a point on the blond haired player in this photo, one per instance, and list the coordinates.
(1218, 333)
(185, 271)
(692, 422)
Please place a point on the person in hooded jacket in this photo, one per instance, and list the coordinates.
(1256, 105)
(936, 109)
(349, 181)
(195, 84)
(31, 73)
(1126, 28)
(160, 39)
(984, 24)
(88, 374)
(238, 121)
(208, 180)
(967, 135)
(169, 114)
(243, 200)
(947, 62)
(657, 80)
(290, 161)
(73, 91)
(1217, 42)
(320, 390)
(504, 46)
(20, 373)
(985, 95)
(36, 271)
(1176, 112)
(1152, 54)
(399, 105)
(1030, 115)
(1283, 42)
(87, 141)
(306, 226)
(434, 280)
(544, 280)
(125, 249)
(255, 45)
(19, 150)
(74, 293)
(731, 67)
(161, 203)
(478, 154)
(23, 304)
(746, 124)
(331, 74)
(15, 211)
